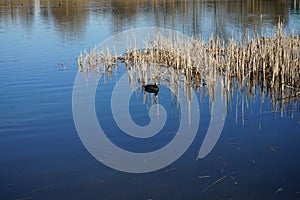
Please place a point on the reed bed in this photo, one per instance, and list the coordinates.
(266, 64)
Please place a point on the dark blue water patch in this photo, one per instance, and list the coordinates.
(257, 155)
(140, 114)
(141, 102)
(259, 158)
(43, 158)
(39, 143)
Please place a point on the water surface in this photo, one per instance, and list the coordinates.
(42, 156)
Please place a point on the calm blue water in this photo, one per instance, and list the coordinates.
(42, 156)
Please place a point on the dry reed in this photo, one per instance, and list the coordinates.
(270, 64)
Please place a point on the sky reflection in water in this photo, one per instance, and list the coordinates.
(42, 156)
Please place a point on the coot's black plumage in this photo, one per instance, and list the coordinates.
(151, 88)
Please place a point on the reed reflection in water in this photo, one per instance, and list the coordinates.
(42, 154)
(224, 18)
(268, 65)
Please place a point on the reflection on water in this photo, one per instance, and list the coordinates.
(66, 16)
(295, 8)
(192, 17)
(256, 156)
(185, 64)
(268, 65)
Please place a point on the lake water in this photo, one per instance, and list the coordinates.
(43, 156)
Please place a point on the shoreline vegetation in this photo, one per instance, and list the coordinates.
(269, 65)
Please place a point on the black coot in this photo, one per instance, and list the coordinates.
(151, 88)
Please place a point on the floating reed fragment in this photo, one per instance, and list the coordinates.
(204, 176)
(217, 181)
(270, 65)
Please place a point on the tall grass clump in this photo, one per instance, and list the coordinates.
(269, 64)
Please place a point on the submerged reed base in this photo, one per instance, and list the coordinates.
(269, 65)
